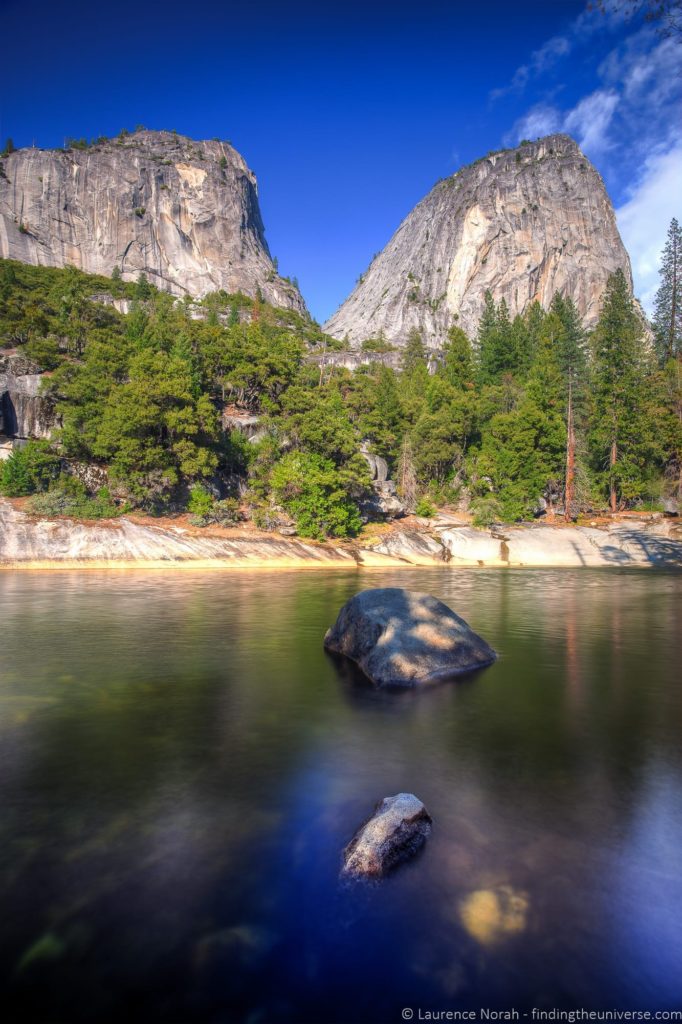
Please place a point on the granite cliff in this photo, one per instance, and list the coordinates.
(185, 213)
(523, 223)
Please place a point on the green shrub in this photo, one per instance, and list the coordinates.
(69, 497)
(44, 351)
(264, 517)
(221, 513)
(200, 501)
(54, 502)
(311, 490)
(28, 469)
(487, 510)
(424, 508)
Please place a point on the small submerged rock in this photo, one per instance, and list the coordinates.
(398, 828)
(490, 915)
(403, 638)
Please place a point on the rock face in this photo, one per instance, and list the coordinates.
(33, 543)
(523, 223)
(578, 546)
(384, 501)
(404, 638)
(24, 413)
(186, 213)
(396, 831)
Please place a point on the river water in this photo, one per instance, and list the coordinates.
(181, 765)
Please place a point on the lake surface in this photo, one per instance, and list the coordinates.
(181, 765)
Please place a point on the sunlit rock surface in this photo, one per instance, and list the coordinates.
(24, 413)
(409, 546)
(31, 542)
(185, 213)
(523, 223)
(577, 546)
(396, 831)
(404, 638)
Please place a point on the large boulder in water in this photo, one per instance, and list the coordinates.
(403, 638)
(398, 828)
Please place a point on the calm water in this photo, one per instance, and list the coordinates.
(181, 765)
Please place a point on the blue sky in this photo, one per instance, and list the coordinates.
(349, 112)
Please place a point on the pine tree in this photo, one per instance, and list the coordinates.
(415, 376)
(572, 362)
(414, 353)
(487, 330)
(522, 350)
(619, 366)
(505, 347)
(457, 366)
(667, 318)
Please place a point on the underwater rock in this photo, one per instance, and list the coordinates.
(404, 638)
(490, 915)
(398, 828)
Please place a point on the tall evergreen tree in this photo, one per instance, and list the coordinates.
(458, 364)
(619, 366)
(414, 353)
(487, 329)
(571, 360)
(415, 376)
(668, 304)
(497, 353)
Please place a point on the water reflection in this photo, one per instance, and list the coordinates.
(181, 765)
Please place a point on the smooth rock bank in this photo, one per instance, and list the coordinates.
(621, 544)
(403, 638)
(29, 543)
(396, 831)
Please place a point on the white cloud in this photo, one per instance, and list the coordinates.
(644, 70)
(542, 119)
(644, 217)
(587, 24)
(631, 111)
(541, 60)
(588, 122)
(590, 119)
(628, 122)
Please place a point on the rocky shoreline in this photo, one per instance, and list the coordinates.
(30, 543)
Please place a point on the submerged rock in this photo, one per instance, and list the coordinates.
(490, 915)
(404, 638)
(398, 828)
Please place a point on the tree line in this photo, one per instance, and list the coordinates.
(532, 413)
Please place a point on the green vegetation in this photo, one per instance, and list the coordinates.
(667, 320)
(534, 409)
(28, 469)
(139, 397)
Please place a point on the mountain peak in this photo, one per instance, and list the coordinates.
(522, 223)
(183, 212)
